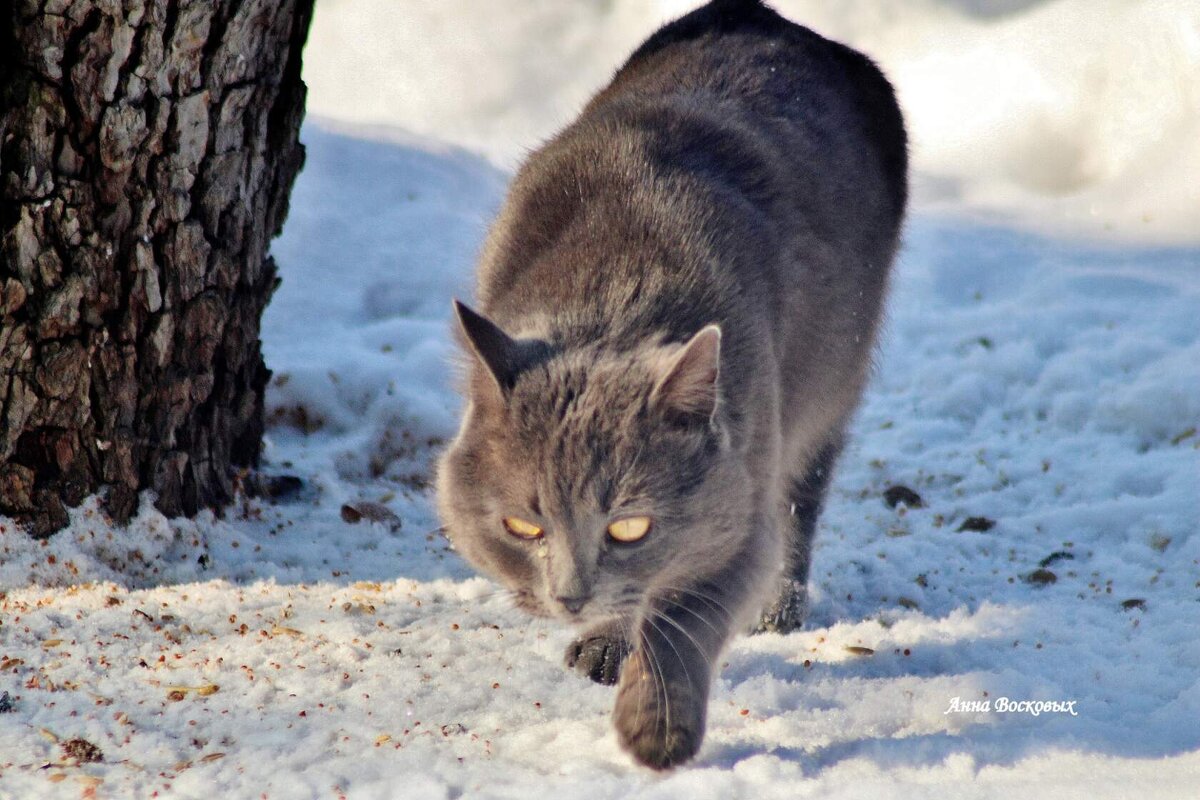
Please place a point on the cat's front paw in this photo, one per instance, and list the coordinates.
(598, 656)
(661, 724)
(786, 613)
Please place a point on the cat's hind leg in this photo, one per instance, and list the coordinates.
(599, 653)
(807, 496)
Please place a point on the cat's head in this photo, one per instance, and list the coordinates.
(582, 480)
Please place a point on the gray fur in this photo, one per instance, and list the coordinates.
(740, 172)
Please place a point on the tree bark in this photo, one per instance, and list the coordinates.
(147, 150)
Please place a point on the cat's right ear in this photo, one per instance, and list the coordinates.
(504, 356)
(688, 387)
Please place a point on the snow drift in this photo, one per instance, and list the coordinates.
(1074, 115)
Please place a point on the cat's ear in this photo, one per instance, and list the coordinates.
(688, 386)
(504, 356)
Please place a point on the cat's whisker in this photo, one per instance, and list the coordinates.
(708, 599)
(712, 601)
(645, 647)
(691, 638)
(660, 679)
(720, 633)
(678, 656)
(440, 530)
(641, 697)
(496, 596)
(688, 634)
(501, 604)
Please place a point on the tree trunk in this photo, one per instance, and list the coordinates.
(147, 149)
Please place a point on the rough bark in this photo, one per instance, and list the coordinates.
(147, 149)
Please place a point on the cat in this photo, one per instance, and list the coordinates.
(677, 309)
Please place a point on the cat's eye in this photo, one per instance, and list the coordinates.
(630, 529)
(522, 529)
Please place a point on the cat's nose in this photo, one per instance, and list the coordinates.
(573, 604)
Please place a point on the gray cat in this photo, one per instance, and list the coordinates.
(678, 305)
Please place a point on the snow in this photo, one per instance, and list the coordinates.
(1047, 383)
(1075, 117)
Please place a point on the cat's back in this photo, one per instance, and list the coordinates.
(810, 93)
(731, 137)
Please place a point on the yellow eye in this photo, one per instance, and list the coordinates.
(629, 529)
(522, 529)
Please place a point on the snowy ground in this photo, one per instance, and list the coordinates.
(1048, 385)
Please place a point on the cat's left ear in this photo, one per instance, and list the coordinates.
(504, 356)
(688, 386)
